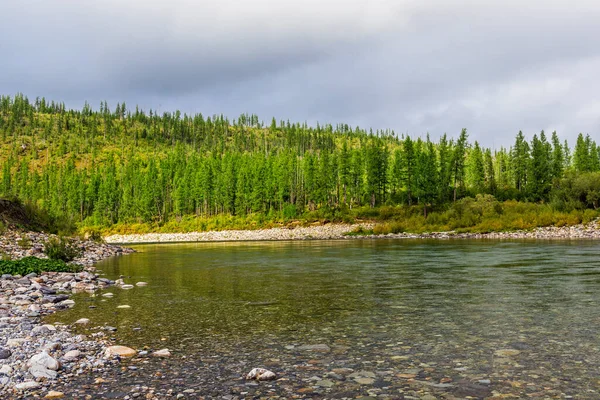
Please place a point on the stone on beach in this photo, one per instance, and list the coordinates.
(45, 360)
(42, 365)
(5, 353)
(27, 385)
(54, 395)
(72, 355)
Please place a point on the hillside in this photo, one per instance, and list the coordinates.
(127, 168)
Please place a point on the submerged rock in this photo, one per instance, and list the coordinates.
(261, 374)
(506, 353)
(121, 351)
(315, 347)
(162, 353)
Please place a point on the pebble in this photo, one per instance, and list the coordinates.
(4, 354)
(27, 385)
(54, 395)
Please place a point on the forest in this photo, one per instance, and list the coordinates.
(122, 167)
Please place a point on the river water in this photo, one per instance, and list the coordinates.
(397, 319)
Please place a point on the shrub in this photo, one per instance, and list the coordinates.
(59, 248)
(24, 243)
(94, 235)
(29, 265)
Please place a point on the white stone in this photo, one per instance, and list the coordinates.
(27, 385)
(50, 327)
(43, 359)
(162, 353)
(261, 374)
(127, 287)
(67, 303)
(82, 321)
(15, 342)
(141, 284)
(39, 371)
(6, 370)
(72, 355)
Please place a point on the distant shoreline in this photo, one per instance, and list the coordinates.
(340, 231)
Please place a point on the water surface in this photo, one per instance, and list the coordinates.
(421, 316)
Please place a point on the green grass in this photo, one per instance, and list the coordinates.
(36, 265)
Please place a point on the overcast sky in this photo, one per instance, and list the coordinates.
(415, 66)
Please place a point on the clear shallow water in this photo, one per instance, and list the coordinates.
(438, 310)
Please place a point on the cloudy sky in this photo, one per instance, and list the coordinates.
(415, 66)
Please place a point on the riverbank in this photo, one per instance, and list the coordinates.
(353, 231)
(35, 357)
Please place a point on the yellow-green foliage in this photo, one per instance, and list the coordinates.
(483, 214)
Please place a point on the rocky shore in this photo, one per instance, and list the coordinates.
(340, 231)
(34, 357)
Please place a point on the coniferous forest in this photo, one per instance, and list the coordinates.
(115, 167)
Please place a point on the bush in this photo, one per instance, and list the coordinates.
(29, 265)
(59, 248)
(24, 242)
(94, 235)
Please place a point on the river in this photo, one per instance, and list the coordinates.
(396, 319)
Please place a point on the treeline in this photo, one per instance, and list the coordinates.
(103, 167)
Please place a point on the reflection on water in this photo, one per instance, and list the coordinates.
(451, 304)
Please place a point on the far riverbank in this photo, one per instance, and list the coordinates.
(351, 231)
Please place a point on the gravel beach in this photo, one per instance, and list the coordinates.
(35, 357)
(339, 231)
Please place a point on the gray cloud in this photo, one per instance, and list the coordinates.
(411, 66)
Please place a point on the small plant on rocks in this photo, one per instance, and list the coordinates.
(59, 248)
(24, 242)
